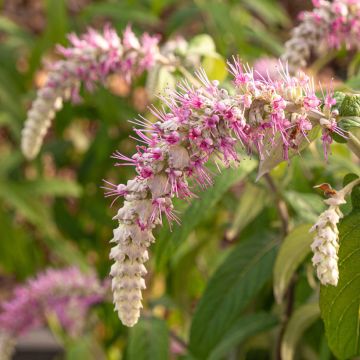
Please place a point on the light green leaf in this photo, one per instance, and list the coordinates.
(340, 305)
(307, 206)
(215, 67)
(245, 327)
(293, 251)
(242, 274)
(348, 122)
(350, 106)
(148, 339)
(247, 209)
(202, 44)
(300, 320)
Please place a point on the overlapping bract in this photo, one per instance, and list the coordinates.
(89, 61)
(196, 124)
(330, 25)
(67, 293)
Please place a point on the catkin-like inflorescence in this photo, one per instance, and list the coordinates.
(330, 25)
(326, 240)
(91, 59)
(67, 293)
(200, 123)
(326, 246)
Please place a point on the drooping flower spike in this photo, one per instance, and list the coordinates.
(330, 25)
(326, 240)
(91, 58)
(197, 124)
(67, 293)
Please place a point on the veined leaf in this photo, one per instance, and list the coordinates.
(292, 252)
(245, 327)
(242, 274)
(340, 305)
(148, 339)
(350, 106)
(300, 320)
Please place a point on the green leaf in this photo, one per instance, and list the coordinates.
(54, 187)
(293, 251)
(215, 67)
(349, 122)
(307, 206)
(243, 273)
(300, 320)
(350, 106)
(340, 305)
(202, 44)
(247, 209)
(245, 327)
(199, 207)
(148, 339)
(28, 205)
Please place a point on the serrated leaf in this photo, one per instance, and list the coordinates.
(198, 208)
(242, 274)
(350, 106)
(348, 122)
(245, 327)
(148, 339)
(292, 252)
(339, 97)
(300, 320)
(340, 305)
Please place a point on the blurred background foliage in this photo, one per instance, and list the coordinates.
(53, 211)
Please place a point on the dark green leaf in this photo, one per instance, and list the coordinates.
(245, 327)
(148, 339)
(350, 106)
(238, 279)
(340, 305)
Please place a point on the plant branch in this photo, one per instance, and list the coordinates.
(289, 297)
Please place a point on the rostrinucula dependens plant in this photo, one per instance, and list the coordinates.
(91, 59)
(200, 123)
(66, 293)
(330, 25)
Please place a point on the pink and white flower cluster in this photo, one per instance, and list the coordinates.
(67, 293)
(91, 58)
(198, 124)
(330, 25)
